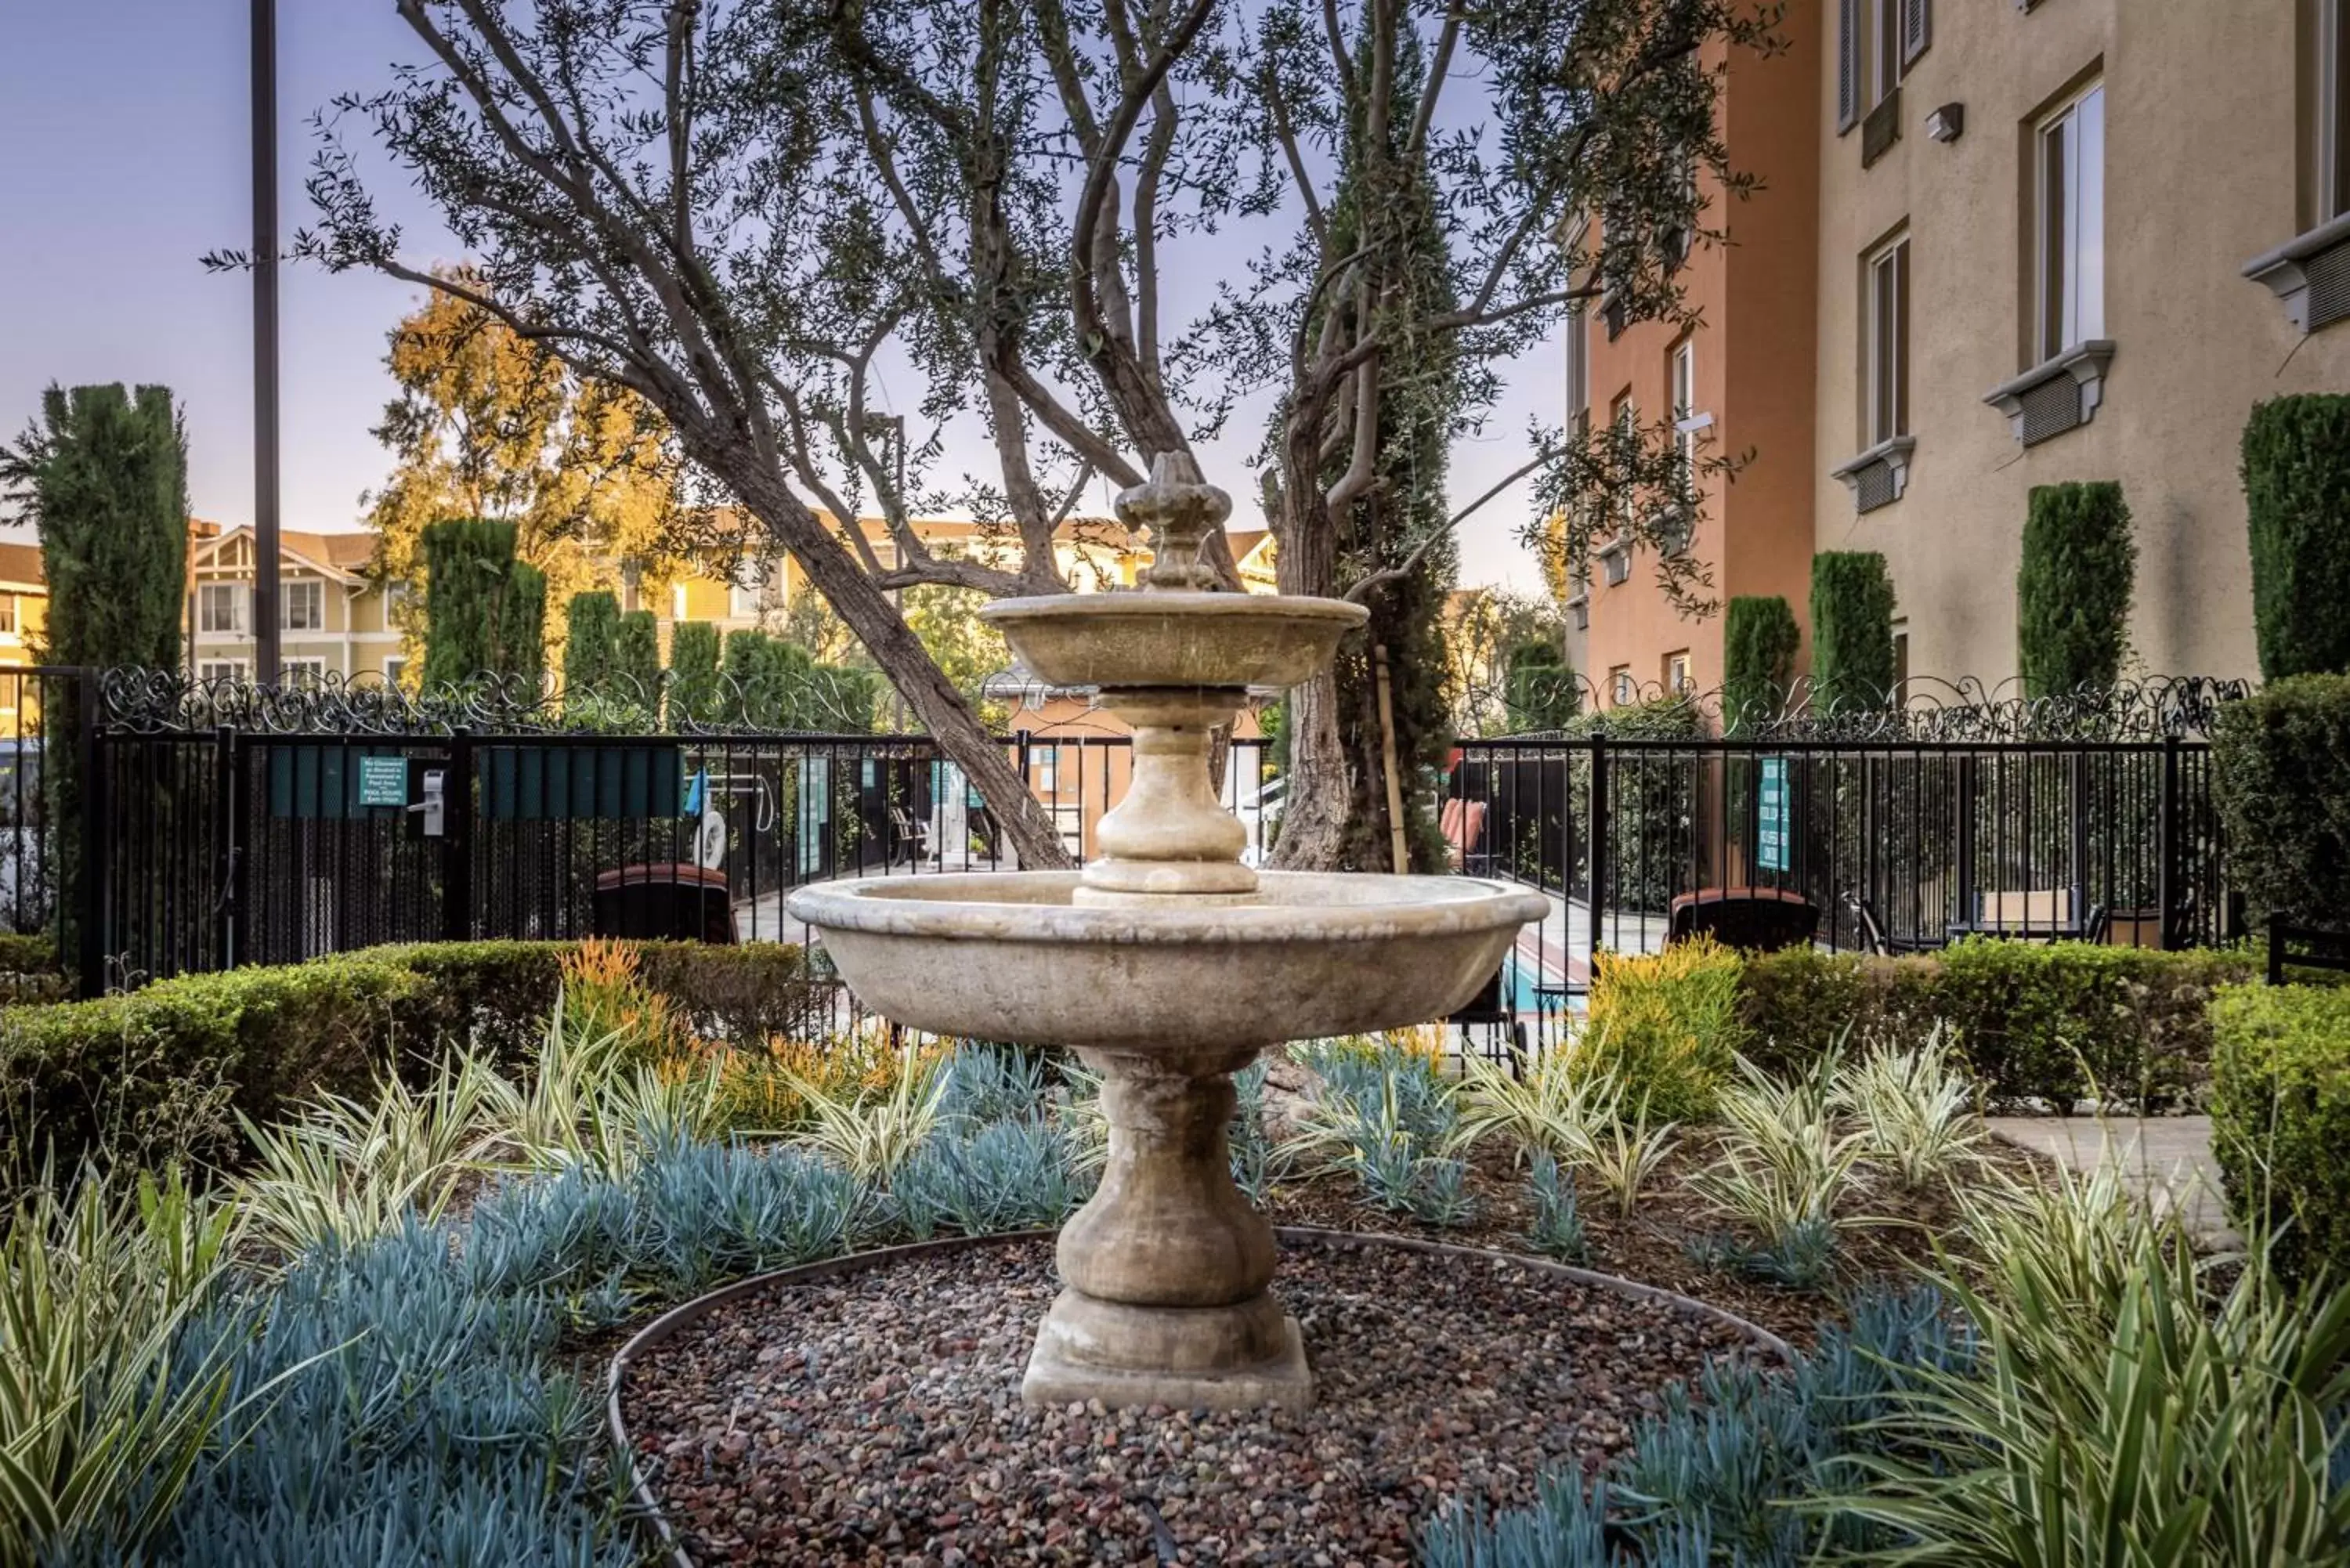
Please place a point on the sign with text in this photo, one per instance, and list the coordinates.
(383, 781)
(1771, 830)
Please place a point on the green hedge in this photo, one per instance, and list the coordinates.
(2073, 589)
(1760, 640)
(2281, 1119)
(2296, 474)
(2055, 1022)
(162, 1072)
(1852, 631)
(2281, 780)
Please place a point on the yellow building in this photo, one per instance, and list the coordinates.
(333, 618)
(23, 611)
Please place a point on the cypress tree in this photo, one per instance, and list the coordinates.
(636, 658)
(589, 627)
(104, 477)
(2073, 589)
(1760, 639)
(2296, 474)
(1538, 690)
(745, 672)
(1852, 631)
(486, 612)
(693, 690)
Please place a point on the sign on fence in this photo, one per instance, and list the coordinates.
(383, 781)
(1771, 817)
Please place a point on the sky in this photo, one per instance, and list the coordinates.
(124, 158)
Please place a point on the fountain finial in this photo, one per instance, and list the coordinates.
(1180, 510)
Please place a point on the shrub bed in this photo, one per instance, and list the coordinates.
(164, 1072)
(2059, 1022)
(2280, 1118)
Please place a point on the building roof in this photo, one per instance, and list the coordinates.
(20, 567)
(343, 555)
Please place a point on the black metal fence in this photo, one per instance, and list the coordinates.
(238, 826)
(237, 843)
(1893, 845)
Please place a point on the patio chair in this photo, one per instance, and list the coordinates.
(1752, 919)
(912, 834)
(669, 900)
(1463, 822)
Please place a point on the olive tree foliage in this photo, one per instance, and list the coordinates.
(1531, 122)
(742, 212)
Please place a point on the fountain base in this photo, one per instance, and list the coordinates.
(1244, 1357)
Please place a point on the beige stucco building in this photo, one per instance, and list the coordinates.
(2037, 224)
(333, 618)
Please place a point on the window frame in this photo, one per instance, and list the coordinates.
(395, 665)
(11, 615)
(1681, 377)
(2332, 164)
(1886, 66)
(2068, 293)
(310, 589)
(1885, 270)
(1679, 679)
(232, 595)
(230, 670)
(1621, 691)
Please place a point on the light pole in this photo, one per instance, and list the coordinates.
(265, 658)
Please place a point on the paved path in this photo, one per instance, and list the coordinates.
(2167, 1159)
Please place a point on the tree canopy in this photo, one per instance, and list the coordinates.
(742, 212)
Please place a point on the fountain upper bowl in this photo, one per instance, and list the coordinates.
(1160, 638)
(1007, 956)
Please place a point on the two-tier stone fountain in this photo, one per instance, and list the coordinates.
(1169, 965)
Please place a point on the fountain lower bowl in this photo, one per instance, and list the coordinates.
(1007, 956)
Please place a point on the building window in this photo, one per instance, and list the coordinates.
(303, 606)
(1900, 664)
(304, 672)
(220, 607)
(677, 602)
(2332, 109)
(1888, 336)
(395, 599)
(1620, 690)
(9, 626)
(221, 669)
(393, 669)
(743, 593)
(1676, 673)
(1624, 420)
(2069, 222)
(1685, 419)
(1885, 49)
(1578, 371)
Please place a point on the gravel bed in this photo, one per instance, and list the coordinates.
(875, 1417)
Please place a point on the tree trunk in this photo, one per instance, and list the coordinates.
(870, 616)
(1313, 835)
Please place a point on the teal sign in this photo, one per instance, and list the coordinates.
(1770, 833)
(383, 781)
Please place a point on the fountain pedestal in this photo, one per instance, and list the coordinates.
(1168, 1266)
(1168, 964)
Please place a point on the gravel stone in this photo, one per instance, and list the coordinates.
(875, 1417)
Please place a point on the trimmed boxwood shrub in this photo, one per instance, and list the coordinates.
(2280, 1118)
(2280, 781)
(1759, 642)
(1852, 631)
(2296, 474)
(2073, 590)
(160, 1073)
(2058, 1022)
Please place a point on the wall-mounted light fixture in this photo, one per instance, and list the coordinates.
(1947, 123)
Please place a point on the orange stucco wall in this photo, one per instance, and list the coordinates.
(1755, 374)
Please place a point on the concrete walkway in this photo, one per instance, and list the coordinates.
(2166, 1159)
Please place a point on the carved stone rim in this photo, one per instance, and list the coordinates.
(1033, 906)
(663, 1536)
(1159, 604)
